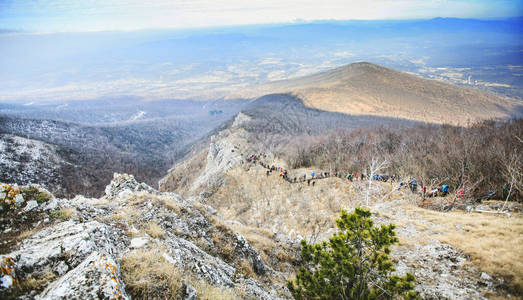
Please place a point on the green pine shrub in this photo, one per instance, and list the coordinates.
(353, 264)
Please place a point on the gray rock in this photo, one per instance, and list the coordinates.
(97, 277)
(190, 292)
(68, 242)
(441, 271)
(31, 205)
(486, 276)
(220, 159)
(138, 243)
(82, 249)
(125, 182)
(245, 249)
(61, 268)
(19, 199)
(52, 204)
(205, 266)
(6, 281)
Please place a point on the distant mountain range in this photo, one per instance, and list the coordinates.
(368, 89)
(210, 63)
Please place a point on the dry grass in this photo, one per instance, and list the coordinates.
(27, 233)
(206, 291)
(139, 198)
(245, 268)
(270, 202)
(223, 244)
(127, 215)
(37, 283)
(155, 230)
(64, 213)
(260, 238)
(278, 256)
(31, 283)
(147, 275)
(265, 204)
(494, 242)
(171, 204)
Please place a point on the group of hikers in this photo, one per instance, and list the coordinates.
(411, 183)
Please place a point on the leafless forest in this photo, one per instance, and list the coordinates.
(484, 156)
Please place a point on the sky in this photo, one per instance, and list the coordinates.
(102, 15)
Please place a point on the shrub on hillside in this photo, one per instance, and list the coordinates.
(34, 193)
(9, 196)
(353, 264)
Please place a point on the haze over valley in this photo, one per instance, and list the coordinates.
(213, 63)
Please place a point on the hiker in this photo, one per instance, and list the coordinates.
(361, 176)
(313, 183)
(268, 172)
(312, 174)
(308, 182)
(434, 192)
(424, 191)
(444, 190)
(413, 184)
(504, 191)
(459, 194)
(400, 186)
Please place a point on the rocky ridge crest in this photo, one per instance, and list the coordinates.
(78, 246)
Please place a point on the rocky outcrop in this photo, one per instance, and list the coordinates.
(224, 153)
(77, 253)
(441, 271)
(67, 243)
(125, 183)
(97, 277)
(220, 158)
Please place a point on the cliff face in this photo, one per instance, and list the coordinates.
(126, 244)
(204, 172)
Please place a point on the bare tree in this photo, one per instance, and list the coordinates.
(375, 165)
(513, 174)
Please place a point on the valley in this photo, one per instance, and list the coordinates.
(90, 142)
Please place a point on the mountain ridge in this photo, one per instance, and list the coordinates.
(365, 88)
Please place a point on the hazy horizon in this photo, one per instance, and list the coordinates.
(81, 16)
(54, 51)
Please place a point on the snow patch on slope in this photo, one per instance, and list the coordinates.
(26, 161)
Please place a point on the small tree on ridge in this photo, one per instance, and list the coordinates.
(353, 264)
